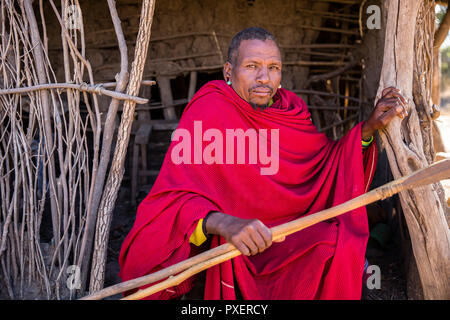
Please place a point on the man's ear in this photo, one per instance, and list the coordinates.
(227, 71)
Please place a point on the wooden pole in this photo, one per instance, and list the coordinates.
(196, 264)
(117, 166)
(439, 38)
(98, 176)
(46, 105)
(98, 89)
(166, 97)
(404, 143)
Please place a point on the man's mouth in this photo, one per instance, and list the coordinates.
(262, 91)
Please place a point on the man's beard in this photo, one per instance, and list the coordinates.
(258, 106)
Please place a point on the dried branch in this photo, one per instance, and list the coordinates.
(442, 32)
(97, 89)
(332, 74)
(95, 196)
(116, 171)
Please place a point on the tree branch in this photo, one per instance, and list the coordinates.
(98, 89)
(442, 32)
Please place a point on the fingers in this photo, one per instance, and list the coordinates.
(241, 246)
(265, 233)
(253, 237)
(390, 90)
(251, 245)
(397, 110)
(394, 93)
(259, 237)
(401, 109)
(397, 96)
(245, 244)
(259, 241)
(394, 105)
(386, 104)
(389, 103)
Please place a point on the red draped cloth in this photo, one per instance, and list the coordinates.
(324, 261)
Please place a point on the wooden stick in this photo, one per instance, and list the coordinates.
(116, 172)
(332, 108)
(331, 15)
(143, 82)
(98, 89)
(356, 115)
(98, 175)
(189, 35)
(332, 74)
(436, 172)
(186, 57)
(313, 63)
(175, 280)
(337, 30)
(319, 46)
(442, 32)
(153, 40)
(162, 274)
(327, 94)
(341, 1)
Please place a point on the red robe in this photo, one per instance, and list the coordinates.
(324, 261)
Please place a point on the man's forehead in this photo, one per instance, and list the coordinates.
(254, 49)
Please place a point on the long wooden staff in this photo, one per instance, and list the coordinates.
(185, 269)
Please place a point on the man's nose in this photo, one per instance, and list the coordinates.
(263, 75)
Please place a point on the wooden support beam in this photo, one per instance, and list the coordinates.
(116, 170)
(166, 97)
(326, 94)
(141, 140)
(336, 30)
(439, 38)
(319, 46)
(192, 84)
(404, 145)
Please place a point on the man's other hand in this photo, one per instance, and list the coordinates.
(390, 105)
(249, 236)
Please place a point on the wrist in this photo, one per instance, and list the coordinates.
(212, 223)
(205, 220)
(366, 132)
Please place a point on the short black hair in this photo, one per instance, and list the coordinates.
(252, 33)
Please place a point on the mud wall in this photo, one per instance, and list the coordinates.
(183, 33)
(316, 37)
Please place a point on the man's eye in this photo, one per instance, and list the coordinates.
(251, 66)
(274, 68)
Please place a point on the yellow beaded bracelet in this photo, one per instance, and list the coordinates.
(367, 143)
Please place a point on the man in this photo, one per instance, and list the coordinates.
(204, 190)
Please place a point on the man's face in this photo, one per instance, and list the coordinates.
(256, 73)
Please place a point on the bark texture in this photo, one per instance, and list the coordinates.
(117, 166)
(407, 65)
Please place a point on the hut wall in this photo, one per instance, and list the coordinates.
(194, 35)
